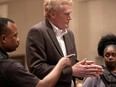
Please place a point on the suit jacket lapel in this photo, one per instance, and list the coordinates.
(67, 43)
(53, 37)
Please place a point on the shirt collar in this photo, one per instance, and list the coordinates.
(59, 32)
(3, 54)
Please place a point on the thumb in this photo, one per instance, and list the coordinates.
(83, 61)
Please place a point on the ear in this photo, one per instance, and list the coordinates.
(3, 38)
(53, 14)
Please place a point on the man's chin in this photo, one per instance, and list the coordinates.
(11, 50)
(67, 26)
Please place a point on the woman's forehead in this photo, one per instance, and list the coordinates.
(109, 47)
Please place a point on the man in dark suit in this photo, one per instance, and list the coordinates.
(50, 40)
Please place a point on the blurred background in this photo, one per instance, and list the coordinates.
(90, 20)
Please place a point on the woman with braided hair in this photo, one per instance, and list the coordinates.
(107, 50)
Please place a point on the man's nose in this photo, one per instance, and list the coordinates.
(69, 18)
(111, 57)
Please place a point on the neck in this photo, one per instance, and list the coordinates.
(112, 69)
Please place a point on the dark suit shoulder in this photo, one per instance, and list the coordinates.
(69, 31)
(40, 25)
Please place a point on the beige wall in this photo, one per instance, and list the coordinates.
(25, 13)
(95, 18)
(90, 20)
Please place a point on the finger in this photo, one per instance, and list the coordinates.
(93, 66)
(96, 66)
(89, 62)
(83, 61)
(91, 69)
(91, 74)
(71, 55)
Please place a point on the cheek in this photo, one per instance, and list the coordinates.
(13, 41)
(105, 59)
(115, 59)
(62, 18)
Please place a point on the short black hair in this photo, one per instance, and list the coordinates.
(3, 23)
(109, 39)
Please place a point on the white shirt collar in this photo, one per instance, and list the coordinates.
(58, 32)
